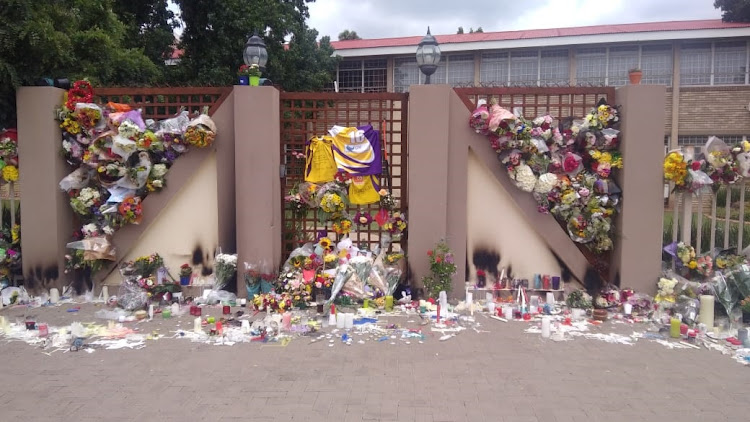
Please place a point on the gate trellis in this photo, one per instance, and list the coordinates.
(308, 114)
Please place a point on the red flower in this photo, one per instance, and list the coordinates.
(695, 165)
(570, 164)
(439, 259)
(481, 273)
(429, 253)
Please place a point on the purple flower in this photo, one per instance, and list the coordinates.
(449, 258)
(322, 233)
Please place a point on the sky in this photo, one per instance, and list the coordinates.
(400, 18)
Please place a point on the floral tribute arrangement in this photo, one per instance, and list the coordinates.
(442, 270)
(119, 158)
(10, 237)
(566, 166)
(717, 164)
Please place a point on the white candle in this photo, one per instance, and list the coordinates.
(546, 327)
(340, 320)
(150, 311)
(197, 326)
(627, 308)
(54, 295)
(105, 293)
(508, 312)
(707, 310)
(491, 307)
(550, 298)
(349, 324)
(245, 326)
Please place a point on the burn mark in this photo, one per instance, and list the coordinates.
(566, 274)
(206, 270)
(617, 279)
(591, 280)
(486, 259)
(51, 273)
(197, 256)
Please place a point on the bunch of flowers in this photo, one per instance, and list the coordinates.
(363, 218)
(83, 202)
(442, 270)
(728, 261)
(296, 204)
(199, 137)
(393, 258)
(579, 299)
(686, 253)
(10, 173)
(130, 210)
(292, 283)
(186, 270)
(252, 70)
(675, 168)
(323, 281)
(81, 92)
(342, 178)
(225, 269)
(704, 265)
(666, 290)
(147, 283)
(566, 166)
(342, 226)
(272, 302)
(147, 265)
(332, 203)
(386, 200)
(396, 223)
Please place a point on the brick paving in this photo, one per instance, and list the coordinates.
(501, 375)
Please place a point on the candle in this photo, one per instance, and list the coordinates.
(683, 329)
(389, 303)
(349, 323)
(166, 313)
(286, 321)
(245, 328)
(674, 328)
(491, 308)
(219, 327)
(550, 298)
(437, 317)
(627, 308)
(534, 304)
(546, 321)
(175, 309)
(197, 325)
(226, 310)
(43, 330)
(150, 311)
(210, 320)
(741, 335)
(537, 281)
(546, 282)
(54, 295)
(332, 320)
(508, 312)
(105, 293)
(340, 320)
(707, 310)
(366, 303)
(243, 302)
(556, 283)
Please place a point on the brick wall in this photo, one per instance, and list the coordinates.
(713, 111)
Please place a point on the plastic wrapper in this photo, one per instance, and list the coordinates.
(111, 314)
(201, 131)
(642, 304)
(608, 297)
(78, 179)
(14, 295)
(343, 274)
(743, 163)
(356, 288)
(699, 181)
(688, 308)
(740, 277)
(479, 120)
(393, 278)
(123, 147)
(258, 278)
(131, 295)
(95, 248)
(362, 266)
(218, 296)
(134, 116)
(726, 292)
(717, 152)
(377, 278)
(174, 125)
(305, 250)
(498, 115)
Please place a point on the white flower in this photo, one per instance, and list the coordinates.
(89, 230)
(128, 129)
(157, 183)
(546, 183)
(108, 230)
(158, 170)
(547, 134)
(538, 121)
(524, 177)
(67, 146)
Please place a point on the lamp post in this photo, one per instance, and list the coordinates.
(428, 55)
(255, 52)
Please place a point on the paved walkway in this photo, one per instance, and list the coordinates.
(501, 375)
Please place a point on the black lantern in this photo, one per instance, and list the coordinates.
(255, 52)
(428, 55)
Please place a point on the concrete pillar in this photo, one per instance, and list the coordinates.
(45, 211)
(638, 240)
(257, 181)
(437, 179)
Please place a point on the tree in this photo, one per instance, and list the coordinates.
(348, 35)
(734, 10)
(65, 38)
(460, 30)
(150, 26)
(215, 32)
(479, 30)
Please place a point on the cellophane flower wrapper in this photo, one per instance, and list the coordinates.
(78, 179)
(256, 281)
(700, 181)
(362, 266)
(356, 289)
(343, 275)
(725, 292)
(225, 267)
(377, 278)
(173, 125)
(740, 277)
(393, 277)
(95, 248)
(305, 250)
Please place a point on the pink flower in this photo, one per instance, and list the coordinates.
(571, 163)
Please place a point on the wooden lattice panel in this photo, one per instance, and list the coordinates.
(163, 103)
(559, 102)
(305, 115)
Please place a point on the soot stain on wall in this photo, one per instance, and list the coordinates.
(486, 259)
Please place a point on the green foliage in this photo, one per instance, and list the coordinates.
(65, 38)
(150, 25)
(215, 32)
(348, 35)
(442, 270)
(734, 10)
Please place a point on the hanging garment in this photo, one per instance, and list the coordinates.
(353, 151)
(363, 190)
(320, 166)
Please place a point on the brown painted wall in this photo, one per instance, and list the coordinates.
(639, 225)
(45, 211)
(225, 177)
(258, 185)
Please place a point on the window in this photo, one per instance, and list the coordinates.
(554, 68)
(405, 73)
(621, 60)
(524, 68)
(656, 64)
(362, 75)
(493, 68)
(729, 63)
(591, 66)
(461, 69)
(720, 63)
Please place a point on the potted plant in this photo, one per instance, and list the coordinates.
(243, 75)
(579, 301)
(745, 305)
(442, 270)
(253, 74)
(635, 76)
(186, 271)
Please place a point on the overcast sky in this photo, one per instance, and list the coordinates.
(398, 18)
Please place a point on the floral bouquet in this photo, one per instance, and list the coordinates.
(386, 200)
(608, 297)
(343, 275)
(85, 200)
(252, 70)
(130, 210)
(396, 224)
(257, 278)
(363, 218)
(666, 292)
(147, 265)
(294, 284)
(201, 131)
(579, 299)
(296, 204)
(479, 120)
(272, 302)
(225, 270)
(442, 270)
(341, 226)
(156, 181)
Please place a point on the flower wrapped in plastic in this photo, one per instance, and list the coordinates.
(480, 119)
(95, 248)
(343, 275)
(225, 268)
(201, 132)
(257, 280)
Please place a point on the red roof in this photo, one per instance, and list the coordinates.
(544, 33)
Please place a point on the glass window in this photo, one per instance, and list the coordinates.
(729, 62)
(621, 60)
(376, 72)
(350, 76)
(461, 69)
(493, 68)
(591, 66)
(524, 68)
(554, 68)
(695, 64)
(405, 73)
(656, 64)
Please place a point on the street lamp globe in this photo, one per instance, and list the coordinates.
(428, 55)
(255, 52)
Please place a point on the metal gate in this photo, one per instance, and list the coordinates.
(308, 114)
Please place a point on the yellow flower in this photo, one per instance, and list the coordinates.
(325, 243)
(692, 265)
(746, 146)
(329, 258)
(10, 173)
(595, 154)
(383, 192)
